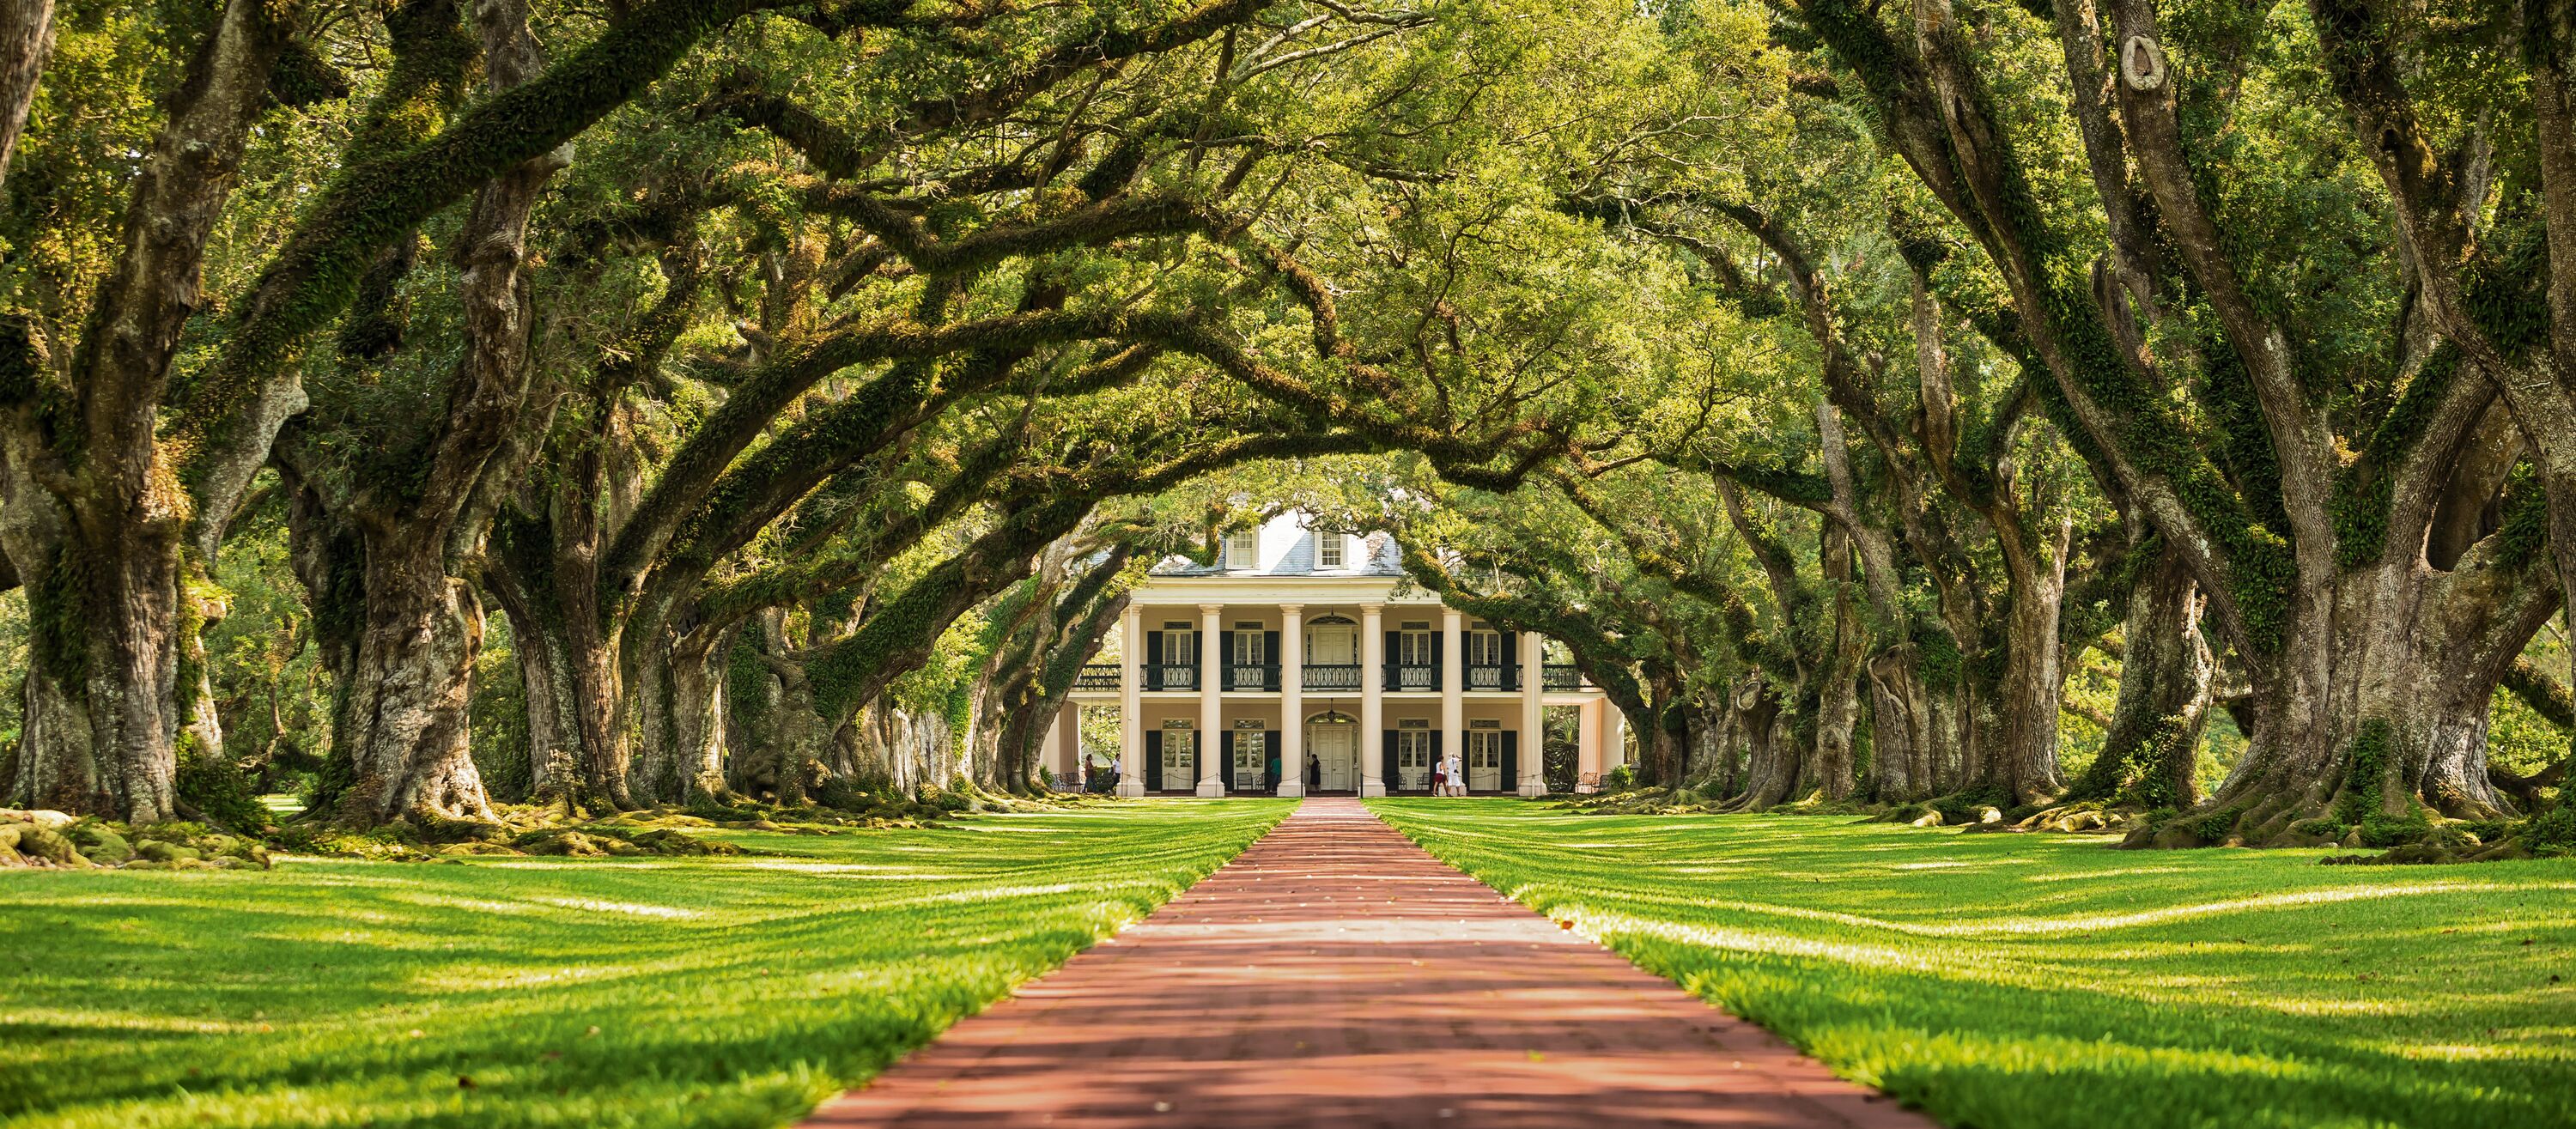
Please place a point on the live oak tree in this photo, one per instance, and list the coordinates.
(2372, 602)
(137, 417)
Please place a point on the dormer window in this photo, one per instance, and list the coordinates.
(1243, 549)
(1328, 550)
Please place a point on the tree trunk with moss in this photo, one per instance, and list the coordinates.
(91, 516)
(681, 724)
(390, 549)
(105, 670)
(26, 35)
(2151, 751)
(2307, 526)
(400, 730)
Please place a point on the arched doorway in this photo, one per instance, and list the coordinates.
(1333, 740)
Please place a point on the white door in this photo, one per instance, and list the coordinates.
(1180, 668)
(1179, 775)
(1332, 658)
(1332, 744)
(1413, 760)
(1251, 763)
(1484, 760)
(1334, 644)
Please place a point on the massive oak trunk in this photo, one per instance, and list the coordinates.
(104, 701)
(2386, 704)
(680, 721)
(90, 514)
(1837, 696)
(402, 723)
(2023, 762)
(1907, 732)
(2152, 748)
(383, 552)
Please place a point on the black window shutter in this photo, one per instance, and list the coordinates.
(1270, 654)
(1271, 768)
(1152, 661)
(1511, 658)
(1394, 653)
(1389, 777)
(1225, 660)
(1511, 760)
(1435, 746)
(1198, 756)
(1153, 760)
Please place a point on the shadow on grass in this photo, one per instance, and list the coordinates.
(506, 993)
(2024, 980)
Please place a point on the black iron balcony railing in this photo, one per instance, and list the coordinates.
(1331, 676)
(1561, 677)
(1097, 676)
(1172, 676)
(1412, 676)
(1493, 676)
(1252, 676)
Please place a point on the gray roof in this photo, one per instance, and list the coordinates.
(1297, 557)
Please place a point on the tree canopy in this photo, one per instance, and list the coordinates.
(2166, 408)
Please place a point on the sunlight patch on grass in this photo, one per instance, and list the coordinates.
(629, 909)
(645, 994)
(2184, 989)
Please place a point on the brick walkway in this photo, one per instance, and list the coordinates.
(1337, 974)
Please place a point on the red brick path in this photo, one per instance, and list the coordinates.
(1336, 974)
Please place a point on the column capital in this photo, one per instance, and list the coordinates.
(1452, 615)
(1292, 607)
(1211, 609)
(1373, 609)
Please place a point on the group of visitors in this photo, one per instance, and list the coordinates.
(1447, 777)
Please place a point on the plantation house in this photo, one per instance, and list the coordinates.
(1304, 653)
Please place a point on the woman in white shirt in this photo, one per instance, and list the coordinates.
(1457, 778)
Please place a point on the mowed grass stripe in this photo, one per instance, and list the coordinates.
(2006, 981)
(723, 991)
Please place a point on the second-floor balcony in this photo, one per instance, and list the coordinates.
(1171, 676)
(1409, 677)
(1330, 677)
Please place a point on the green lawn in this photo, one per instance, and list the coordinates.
(556, 992)
(2046, 980)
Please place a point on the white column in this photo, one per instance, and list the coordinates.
(1372, 699)
(1533, 739)
(1292, 692)
(1051, 750)
(1453, 689)
(1587, 746)
(1068, 722)
(1614, 737)
(1131, 704)
(1212, 749)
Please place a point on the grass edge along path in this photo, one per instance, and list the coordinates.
(535, 992)
(2012, 981)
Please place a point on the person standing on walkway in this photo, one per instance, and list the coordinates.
(1314, 773)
